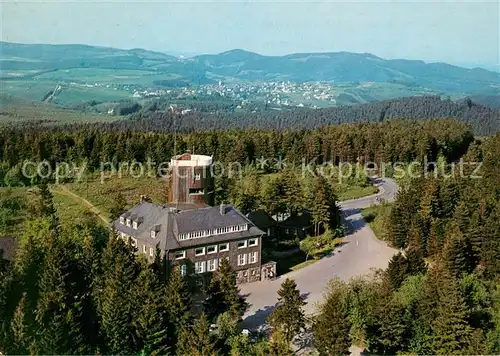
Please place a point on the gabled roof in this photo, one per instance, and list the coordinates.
(261, 219)
(167, 222)
(303, 221)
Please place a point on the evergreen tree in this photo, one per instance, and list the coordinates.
(223, 294)
(396, 271)
(458, 254)
(320, 207)
(178, 301)
(198, 340)
(387, 328)
(451, 333)
(115, 304)
(288, 316)
(151, 318)
(331, 327)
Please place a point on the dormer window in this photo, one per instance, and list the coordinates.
(122, 220)
(128, 222)
(134, 225)
(153, 234)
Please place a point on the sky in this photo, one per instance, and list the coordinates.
(463, 33)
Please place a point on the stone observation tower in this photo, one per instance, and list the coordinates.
(191, 180)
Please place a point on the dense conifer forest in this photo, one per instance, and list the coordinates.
(83, 291)
(388, 141)
(483, 120)
(441, 295)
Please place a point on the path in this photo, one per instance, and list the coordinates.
(65, 190)
(361, 252)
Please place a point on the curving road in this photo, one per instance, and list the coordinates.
(359, 254)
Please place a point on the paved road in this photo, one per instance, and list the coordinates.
(359, 254)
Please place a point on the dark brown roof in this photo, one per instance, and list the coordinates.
(8, 246)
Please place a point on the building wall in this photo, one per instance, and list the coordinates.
(182, 179)
(247, 273)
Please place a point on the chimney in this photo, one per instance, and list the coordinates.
(222, 209)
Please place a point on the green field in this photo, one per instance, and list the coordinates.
(16, 110)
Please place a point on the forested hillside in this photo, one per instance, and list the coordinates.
(449, 302)
(483, 120)
(388, 141)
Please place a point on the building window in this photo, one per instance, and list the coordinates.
(128, 222)
(153, 234)
(134, 225)
(211, 265)
(223, 247)
(253, 242)
(268, 231)
(253, 272)
(242, 244)
(287, 231)
(242, 259)
(252, 257)
(133, 242)
(122, 220)
(197, 176)
(151, 251)
(199, 267)
(179, 255)
(183, 270)
(212, 249)
(200, 251)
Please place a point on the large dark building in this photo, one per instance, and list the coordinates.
(199, 237)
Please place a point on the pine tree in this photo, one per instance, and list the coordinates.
(223, 294)
(118, 207)
(57, 332)
(396, 271)
(387, 328)
(47, 208)
(197, 341)
(115, 304)
(178, 300)
(288, 316)
(150, 313)
(320, 208)
(457, 253)
(331, 327)
(451, 333)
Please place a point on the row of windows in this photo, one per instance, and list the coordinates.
(129, 222)
(206, 266)
(249, 258)
(201, 251)
(211, 232)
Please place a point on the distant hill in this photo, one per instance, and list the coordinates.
(342, 67)
(16, 56)
(350, 67)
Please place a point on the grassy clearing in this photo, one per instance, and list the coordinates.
(103, 195)
(377, 217)
(347, 192)
(15, 109)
